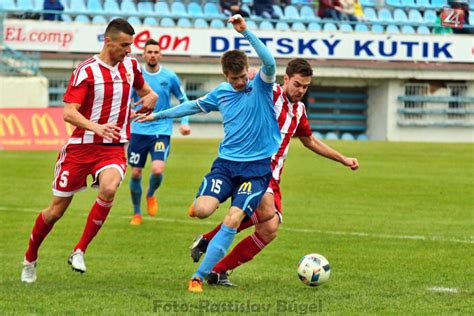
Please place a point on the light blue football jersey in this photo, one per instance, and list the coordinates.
(250, 126)
(164, 82)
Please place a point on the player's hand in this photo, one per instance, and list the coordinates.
(144, 117)
(133, 114)
(184, 130)
(147, 103)
(109, 131)
(351, 163)
(238, 22)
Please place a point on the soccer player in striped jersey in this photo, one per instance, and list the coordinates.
(242, 170)
(292, 121)
(97, 103)
(153, 137)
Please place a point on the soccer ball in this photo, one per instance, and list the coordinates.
(313, 269)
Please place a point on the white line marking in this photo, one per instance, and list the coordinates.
(443, 289)
(467, 240)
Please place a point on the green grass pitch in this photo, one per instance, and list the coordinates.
(398, 233)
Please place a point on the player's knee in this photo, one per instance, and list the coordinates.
(201, 211)
(108, 191)
(265, 214)
(157, 172)
(51, 216)
(268, 235)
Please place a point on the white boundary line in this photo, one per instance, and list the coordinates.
(441, 289)
(468, 240)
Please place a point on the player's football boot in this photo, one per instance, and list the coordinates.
(222, 279)
(195, 285)
(151, 205)
(198, 248)
(28, 273)
(76, 260)
(191, 210)
(136, 219)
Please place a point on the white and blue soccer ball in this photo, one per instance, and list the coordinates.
(314, 269)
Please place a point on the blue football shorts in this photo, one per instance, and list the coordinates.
(246, 182)
(140, 145)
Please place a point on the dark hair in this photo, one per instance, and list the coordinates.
(299, 66)
(151, 42)
(234, 61)
(119, 26)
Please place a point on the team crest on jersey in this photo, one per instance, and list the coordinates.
(245, 188)
(159, 146)
(129, 77)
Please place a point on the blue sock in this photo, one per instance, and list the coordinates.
(155, 182)
(136, 193)
(216, 250)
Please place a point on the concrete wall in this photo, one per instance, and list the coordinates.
(20, 92)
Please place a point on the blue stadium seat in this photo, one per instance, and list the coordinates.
(415, 17)
(408, 3)
(77, 6)
(385, 16)
(111, 7)
(393, 29)
(195, 10)
(66, 18)
(94, 6)
(361, 27)
(128, 7)
(201, 23)
(266, 25)
(370, 14)
(8, 4)
(81, 18)
(362, 137)
(423, 30)
(217, 24)
(251, 25)
(145, 8)
(307, 14)
(347, 136)
(291, 13)
(134, 21)
(367, 3)
(282, 26)
(471, 6)
(430, 16)
(423, 4)
(178, 10)
(438, 4)
(330, 27)
(37, 4)
(298, 26)
(345, 27)
(162, 9)
(314, 26)
(212, 11)
(331, 136)
(377, 28)
(394, 3)
(150, 21)
(400, 16)
(318, 135)
(278, 10)
(184, 22)
(167, 22)
(24, 5)
(408, 29)
(99, 19)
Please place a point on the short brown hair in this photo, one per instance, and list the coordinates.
(119, 26)
(151, 42)
(299, 66)
(234, 61)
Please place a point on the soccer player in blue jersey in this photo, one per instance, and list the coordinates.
(242, 170)
(153, 137)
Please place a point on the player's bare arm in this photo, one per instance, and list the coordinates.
(148, 99)
(73, 116)
(317, 146)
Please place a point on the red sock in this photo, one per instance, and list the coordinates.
(244, 251)
(94, 222)
(39, 233)
(248, 221)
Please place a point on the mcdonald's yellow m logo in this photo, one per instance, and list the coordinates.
(159, 146)
(246, 186)
(12, 124)
(46, 123)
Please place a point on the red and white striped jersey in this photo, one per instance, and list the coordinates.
(292, 121)
(104, 94)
